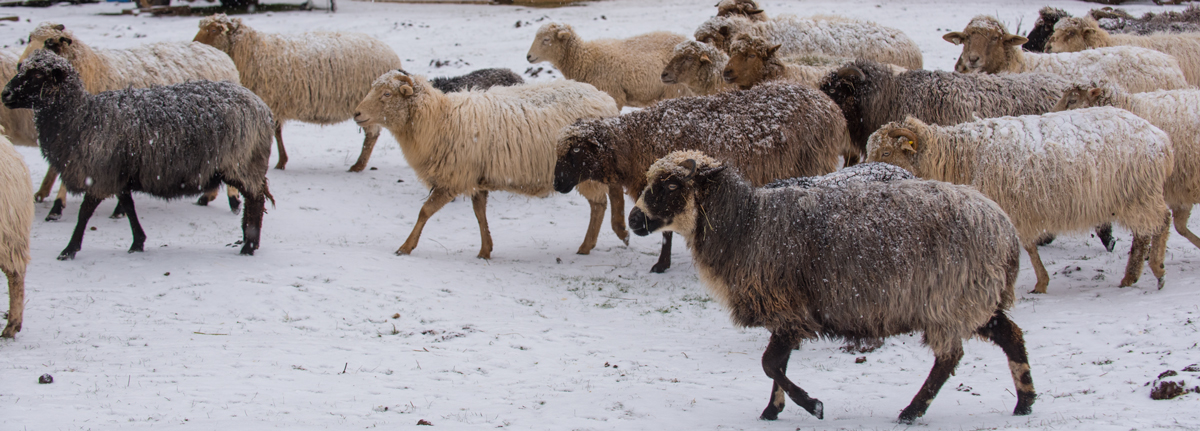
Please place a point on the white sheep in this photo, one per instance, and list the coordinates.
(1078, 34)
(117, 69)
(17, 123)
(313, 77)
(1176, 112)
(629, 70)
(697, 66)
(830, 35)
(16, 218)
(1058, 172)
(1134, 69)
(473, 142)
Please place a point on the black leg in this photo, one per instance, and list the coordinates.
(86, 209)
(252, 223)
(235, 204)
(664, 257)
(55, 210)
(118, 212)
(943, 367)
(774, 362)
(125, 202)
(1008, 336)
(1104, 232)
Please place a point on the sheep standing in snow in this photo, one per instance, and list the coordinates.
(772, 131)
(482, 79)
(1176, 112)
(988, 47)
(1078, 34)
(17, 123)
(828, 35)
(699, 67)
(629, 70)
(16, 218)
(854, 260)
(1052, 173)
(168, 141)
(474, 142)
(139, 67)
(329, 73)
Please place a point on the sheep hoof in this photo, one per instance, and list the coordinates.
(1161, 281)
(136, 248)
(11, 330)
(235, 205)
(55, 210)
(817, 409)
(907, 417)
(769, 414)
(247, 250)
(203, 201)
(659, 268)
(357, 168)
(39, 198)
(403, 251)
(280, 166)
(67, 255)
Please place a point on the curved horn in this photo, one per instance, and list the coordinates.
(60, 27)
(908, 134)
(754, 11)
(851, 72)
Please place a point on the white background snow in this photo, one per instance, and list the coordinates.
(325, 328)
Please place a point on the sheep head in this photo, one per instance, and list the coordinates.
(1043, 28)
(746, 8)
(51, 36)
(585, 153)
(550, 42)
(668, 203)
(748, 58)
(988, 47)
(217, 31)
(390, 98)
(845, 88)
(1085, 96)
(898, 143)
(719, 31)
(690, 61)
(1076, 34)
(41, 78)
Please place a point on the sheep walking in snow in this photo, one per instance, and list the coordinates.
(988, 47)
(1078, 34)
(698, 66)
(482, 79)
(16, 218)
(17, 123)
(772, 131)
(315, 77)
(168, 141)
(1058, 172)
(1176, 112)
(138, 67)
(853, 260)
(474, 142)
(828, 35)
(626, 69)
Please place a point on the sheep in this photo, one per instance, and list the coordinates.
(871, 94)
(772, 131)
(1135, 69)
(828, 35)
(1119, 21)
(482, 79)
(331, 73)
(626, 69)
(753, 60)
(853, 260)
(875, 172)
(168, 141)
(17, 124)
(118, 69)
(1078, 34)
(1056, 172)
(474, 142)
(697, 66)
(1176, 112)
(16, 219)
(1043, 28)
(746, 8)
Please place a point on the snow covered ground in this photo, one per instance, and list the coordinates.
(325, 328)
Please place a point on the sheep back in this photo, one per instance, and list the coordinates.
(876, 172)
(482, 79)
(1134, 69)
(627, 69)
(16, 209)
(17, 123)
(834, 36)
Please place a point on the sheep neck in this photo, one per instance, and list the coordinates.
(633, 156)
(948, 155)
(576, 60)
(58, 108)
(424, 128)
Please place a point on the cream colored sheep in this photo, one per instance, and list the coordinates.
(16, 218)
(829, 35)
(629, 70)
(1078, 34)
(697, 66)
(473, 142)
(1176, 112)
(313, 77)
(753, 60)
(17, 123)
(988, 47)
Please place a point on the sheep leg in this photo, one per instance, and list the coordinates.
(943, 367)
(774, 362)
(437, 199)
(282, 163)
(1181, 214)
(209, 195)
(90, 202)
(1158, 251)
(1043, 278)
(598, 203)
(16, 302)
(118, 211)
(1104, 232)
(616, 198)
(664, 256)
(1011, 339)
(252, 221)
(1137, 255)
(47, 184)
(367, 148)
(235, 203)
(59, 201)
(125, 202)
(479, 203)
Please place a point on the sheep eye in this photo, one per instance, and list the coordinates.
(387, 94)
(672, 187)
(751, 56)
(576, 150)
(887, 153)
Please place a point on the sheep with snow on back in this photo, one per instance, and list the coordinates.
(473, 142)
(315, 77)
(138, 67)
(1176, 112)
(16, 218)
(1057, 172)
(629, 70)
(988, 47)
(17, 123)
(828, 35)
(167, 141)
(482, 79)
(772, 131)
(1078, 34)
(746, 8)
(862, 172)
(1115, 21)
(805, 263)
(697, 66)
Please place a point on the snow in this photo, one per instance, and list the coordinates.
(305, 334)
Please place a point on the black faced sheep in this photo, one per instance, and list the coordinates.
(168, 141)
(772, 131)
(806, 263)
(16, 218)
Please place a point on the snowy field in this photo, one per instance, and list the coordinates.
(325, 328)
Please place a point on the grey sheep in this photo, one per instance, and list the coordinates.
(854, 260)
(168, 141)
(482, 79)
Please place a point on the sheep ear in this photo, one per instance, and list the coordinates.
(704, 59)
(724, 30)
(60, 27)
(57, 75)
(955, 37)
(65, 40)
(1014, 40)
(1089, 32)
(1094, 93)
(405, 90)
(707, 173)
(563, 34)
(771, 50)
(690, 165)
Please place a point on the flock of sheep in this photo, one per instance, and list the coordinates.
(737, 149)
